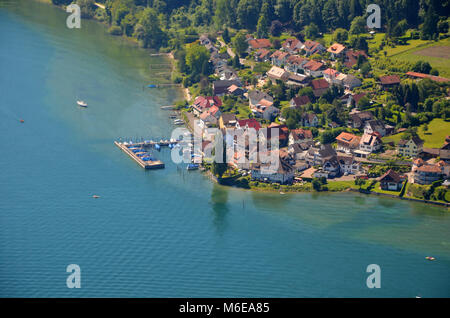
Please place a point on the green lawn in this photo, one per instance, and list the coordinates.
(406, 53)
(376, 188)
(438, 129)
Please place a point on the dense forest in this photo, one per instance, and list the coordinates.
(170, 23)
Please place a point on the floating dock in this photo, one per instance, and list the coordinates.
(136, 156)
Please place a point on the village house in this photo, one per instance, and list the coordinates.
(314, 68)
(336, 51)
(391, 181)
(256, 44)
(220, 87)
(389, 81)
(330, 75)
(312, 47)
(356, 98)
(347, 142)
(269, 132)
(330, 168)
(277, 73)
(427, 174)
(279, 58)
(350, 82)
(310, 120)
(348, 165)
(370, 143)
(351, 57)
(267, 112)
(297, 80)
(248, 123)
(235, 90)
(300, 135)
(295, 64)
(262, 55)
(375, 125)
(257, 97)
(340, 78)
(319, 87)
(227, 121)
(359, 119)
(299, 150)
(207, 120)
(410, 148)
(299, 101)
(292, 45)
(281, 173)
(202, 103)
(317, 156)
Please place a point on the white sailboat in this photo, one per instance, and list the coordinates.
(82, 103)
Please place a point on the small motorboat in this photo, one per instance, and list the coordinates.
(96, 196)
(22, 121)
(430, 258)
(192, 166)
(82, 103)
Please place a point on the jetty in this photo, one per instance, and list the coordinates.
(138, 154)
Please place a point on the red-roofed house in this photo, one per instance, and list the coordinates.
(297, 136)
(248, 123)
(347, 142)
(292, 45)
(312, 47)
(319, 86)
(337, 50)
(262, 55)
(256, 44)
(351, 57)
(202, 103)
(295, 63)
(389, 81)
(314, 68)
(279, 58)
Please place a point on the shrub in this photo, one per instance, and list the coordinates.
(115, 30)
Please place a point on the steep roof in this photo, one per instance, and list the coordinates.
(390, 176)
(301, 100)
(251, 123)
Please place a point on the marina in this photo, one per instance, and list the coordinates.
(138, 154)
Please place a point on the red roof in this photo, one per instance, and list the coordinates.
(313, 65)
(320, 83)
(431, 77)
(390, 79)
(251, 123)
(260, 43)
(336, 48)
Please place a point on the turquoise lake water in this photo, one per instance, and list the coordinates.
(167, 233)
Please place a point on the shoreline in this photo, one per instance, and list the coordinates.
(269, 189)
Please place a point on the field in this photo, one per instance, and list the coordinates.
(438, 129)
(436, 53)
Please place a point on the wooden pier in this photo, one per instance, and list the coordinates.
(157, 164)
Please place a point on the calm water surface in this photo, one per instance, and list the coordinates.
(168, 232)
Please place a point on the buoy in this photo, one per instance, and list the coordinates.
(22, 121)
(95, 196)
